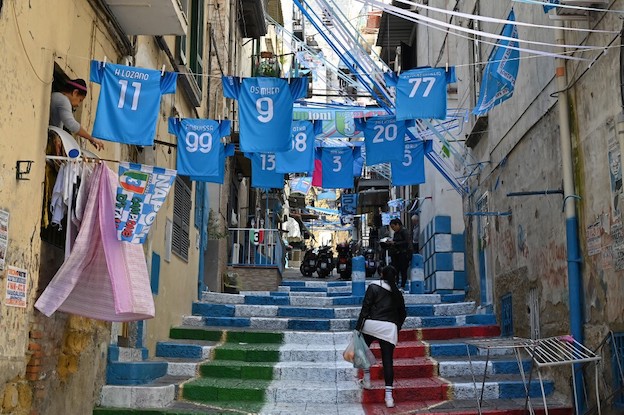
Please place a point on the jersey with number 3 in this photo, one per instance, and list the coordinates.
(337, 167)
(198, 145)
(265, 110)
(129, 101)
(263, 174)
(384, 138)
(300, 158)
(411, 169)
(421, 93)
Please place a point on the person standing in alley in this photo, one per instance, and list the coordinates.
(381, 318)
(400, 252)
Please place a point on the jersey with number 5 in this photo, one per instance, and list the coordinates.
(421, 93)
(384, 138)
(411, 169)
(265, 110)
(198, 145)
(129, 101)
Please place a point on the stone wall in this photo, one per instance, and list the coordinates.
(257, 278)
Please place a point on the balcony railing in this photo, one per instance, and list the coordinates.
(257, 247)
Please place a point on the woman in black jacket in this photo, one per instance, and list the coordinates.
(381, 318)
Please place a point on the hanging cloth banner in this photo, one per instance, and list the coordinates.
(103, 278)
(141, 192)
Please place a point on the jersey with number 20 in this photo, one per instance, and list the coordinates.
(129, 100)
(265, 110)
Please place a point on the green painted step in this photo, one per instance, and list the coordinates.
(237, 370)
(248, 352)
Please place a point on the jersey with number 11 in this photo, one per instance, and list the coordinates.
(129, 101)
(265, 110)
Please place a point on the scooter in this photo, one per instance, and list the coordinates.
(343, 261)
(324, 261)
(370, 262)
(308, 265)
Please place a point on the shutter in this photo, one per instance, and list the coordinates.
(181, 218)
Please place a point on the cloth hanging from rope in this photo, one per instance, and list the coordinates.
(103, 278)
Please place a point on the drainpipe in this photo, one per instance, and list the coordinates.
(575, 282)
(203, 240)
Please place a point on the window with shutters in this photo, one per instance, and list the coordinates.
(180, 241)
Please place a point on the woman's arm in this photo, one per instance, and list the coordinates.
(99, 145)
(366, 306)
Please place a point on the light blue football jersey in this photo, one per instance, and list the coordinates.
(300, 158)
(198, 145)
(411, 170)
(384, 138)
(129, 101)
(226, 150)
(263, 174)
(265, 107)
(337, 167)
(421, 93)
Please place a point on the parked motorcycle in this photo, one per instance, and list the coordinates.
(370, 262)
(308, 264)
(324, 261)
(343, 261)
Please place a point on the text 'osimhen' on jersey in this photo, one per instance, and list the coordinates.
(265, 110)
(129, 101)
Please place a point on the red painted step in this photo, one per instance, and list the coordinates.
(408, 390)
(418, 367)
(405, 349)
(448, 333)
(429, 408)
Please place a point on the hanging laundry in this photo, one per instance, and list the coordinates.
(384, 138)
(263, 174)
(300, 157)
(337, 167)
(129, 101)
(410, 170)
(103, 278)
(265, 110)
(141, 192)
(199, 143)
(225, 150)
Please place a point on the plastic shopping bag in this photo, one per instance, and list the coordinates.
(358, 353)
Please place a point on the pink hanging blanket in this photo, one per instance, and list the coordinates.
(103, 278)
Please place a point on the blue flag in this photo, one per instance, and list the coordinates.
(499, 76)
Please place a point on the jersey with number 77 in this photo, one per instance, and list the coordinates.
(265, 110)
(421, 93)
(129, 101)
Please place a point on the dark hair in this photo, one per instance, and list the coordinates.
(77, 84)
(389, 274)
(396, 221)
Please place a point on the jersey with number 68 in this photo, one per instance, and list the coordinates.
(129, 100)
(198, 145)
(300, 158)
(265, 110)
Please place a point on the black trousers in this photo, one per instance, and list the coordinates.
(401, 263)
(387, 357)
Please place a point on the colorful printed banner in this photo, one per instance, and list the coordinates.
(141, 192)
(16, 287)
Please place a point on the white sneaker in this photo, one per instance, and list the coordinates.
(389, 402)
(365, 383)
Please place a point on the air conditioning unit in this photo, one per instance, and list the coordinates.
(595, 4)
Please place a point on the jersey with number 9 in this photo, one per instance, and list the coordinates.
(198, 145)
(129, 101)
(265, 110)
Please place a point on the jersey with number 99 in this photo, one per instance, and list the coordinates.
(265, 110)
(129, 100)
(198, 145)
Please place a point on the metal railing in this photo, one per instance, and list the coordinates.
(256, 247)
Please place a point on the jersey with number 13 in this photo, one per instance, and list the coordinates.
(129, 101)
(265, 110)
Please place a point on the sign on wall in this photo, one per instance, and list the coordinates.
(4, 237)
(16, 287)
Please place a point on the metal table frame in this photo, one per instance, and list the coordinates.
(551, 351)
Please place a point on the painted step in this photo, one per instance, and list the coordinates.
(134, 373)
(184, 350)
(157, 394)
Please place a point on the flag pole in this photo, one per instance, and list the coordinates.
(575, 280)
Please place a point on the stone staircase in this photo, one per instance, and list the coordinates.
(280, 352)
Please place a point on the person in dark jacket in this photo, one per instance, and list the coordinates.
(400, 252)
(381, 318)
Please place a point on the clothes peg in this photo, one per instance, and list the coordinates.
(162, 73)
(104, 63)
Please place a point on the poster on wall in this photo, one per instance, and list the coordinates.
(615, 175)
(4, 237)
(16, 287)
(594, 238)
